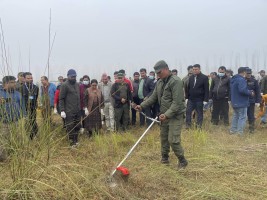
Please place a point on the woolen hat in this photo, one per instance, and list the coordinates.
(160, 65)
(71, 72)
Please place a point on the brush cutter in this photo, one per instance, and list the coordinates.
(124, 171)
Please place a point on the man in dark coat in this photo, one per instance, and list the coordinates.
(253, 85)
(220, 96)
(30, 94)
(136, 99)
(69, 104)
(196, 95)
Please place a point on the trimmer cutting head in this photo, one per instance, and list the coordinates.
(121, 175)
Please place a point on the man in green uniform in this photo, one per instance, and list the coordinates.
(168, 93)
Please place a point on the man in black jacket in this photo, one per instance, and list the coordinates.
(220, 95)
(136, 100)
(30, 96)
(69, 105)
(145, 89)
(196, 95)
(253, 85)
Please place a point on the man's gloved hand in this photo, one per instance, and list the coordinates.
(186, 101)
(63, 114)
(86, 111)
(257, 104)
(229, 102)
(55, 110)
(205, 103)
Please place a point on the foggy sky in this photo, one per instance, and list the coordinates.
(96, 36)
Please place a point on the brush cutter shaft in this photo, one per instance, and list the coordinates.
(130, 151)
(155, 120)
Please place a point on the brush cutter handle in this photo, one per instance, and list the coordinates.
(130, 151)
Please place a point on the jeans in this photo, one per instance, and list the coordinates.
(194, 105)
(264, 117)
(239, 120)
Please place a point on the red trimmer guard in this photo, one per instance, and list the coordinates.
(124, 170)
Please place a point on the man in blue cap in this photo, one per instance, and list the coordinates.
(69, 105)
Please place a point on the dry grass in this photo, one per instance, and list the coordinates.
(221, 166)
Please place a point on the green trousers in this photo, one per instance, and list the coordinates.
(122, 116)
(170, 134)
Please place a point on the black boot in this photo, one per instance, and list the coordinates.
(182, 162)
(165, 159)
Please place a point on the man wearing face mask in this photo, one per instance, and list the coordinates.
(85, 84)
(239, 100)
(220, 96)
(145, 89)
(253, 85)
(69, 104)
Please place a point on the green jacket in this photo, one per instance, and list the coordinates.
(170, 96)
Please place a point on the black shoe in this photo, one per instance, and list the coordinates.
(165, 159)
(182, 162)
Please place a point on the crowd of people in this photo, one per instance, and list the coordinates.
(88, 104)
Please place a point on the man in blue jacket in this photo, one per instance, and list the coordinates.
(10, 111)
(145, 89)
(240, 101)
(47, 94)
(253, 85)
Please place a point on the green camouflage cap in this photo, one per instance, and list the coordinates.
(120, 74)
(160, 65)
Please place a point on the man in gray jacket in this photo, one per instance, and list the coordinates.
(105, 87)
(69, 105)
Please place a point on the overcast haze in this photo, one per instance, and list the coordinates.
(103, 36)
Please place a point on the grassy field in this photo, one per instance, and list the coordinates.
(221, 166)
